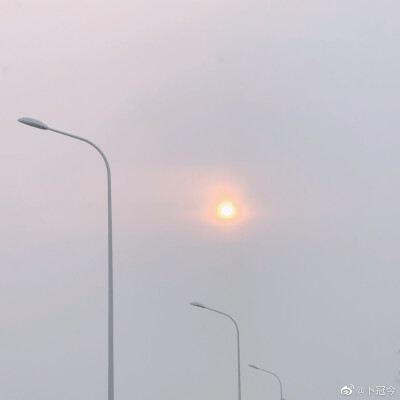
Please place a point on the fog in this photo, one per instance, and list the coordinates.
(290, 109)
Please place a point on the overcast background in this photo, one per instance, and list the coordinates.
(289, 107)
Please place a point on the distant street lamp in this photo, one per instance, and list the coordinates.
(269, 372)
(238, 346)
(38, 124)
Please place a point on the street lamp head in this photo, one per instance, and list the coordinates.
(33, 122)
(195, 303)
(253, 366)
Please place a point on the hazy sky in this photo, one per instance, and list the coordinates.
(291, 107)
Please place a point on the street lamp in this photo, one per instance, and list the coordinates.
(194, 303)
(38, 124)
(276, 376)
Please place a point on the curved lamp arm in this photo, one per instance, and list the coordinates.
(38, 124)
(238, 341)
(269, 372)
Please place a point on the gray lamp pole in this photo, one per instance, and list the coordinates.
(38, 124)
(269, 372)
(194, 303)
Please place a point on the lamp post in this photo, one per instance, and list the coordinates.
(194, 303)
(38, 124)
(269, 372)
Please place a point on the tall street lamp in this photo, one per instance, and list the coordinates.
(38, 124)
(269, 372)
(238, 346)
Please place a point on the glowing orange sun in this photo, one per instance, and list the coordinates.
(226, 210)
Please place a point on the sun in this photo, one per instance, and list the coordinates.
(226, 210)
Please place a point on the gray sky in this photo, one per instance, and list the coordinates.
(289, 106)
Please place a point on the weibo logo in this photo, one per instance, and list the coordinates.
(347, 390)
